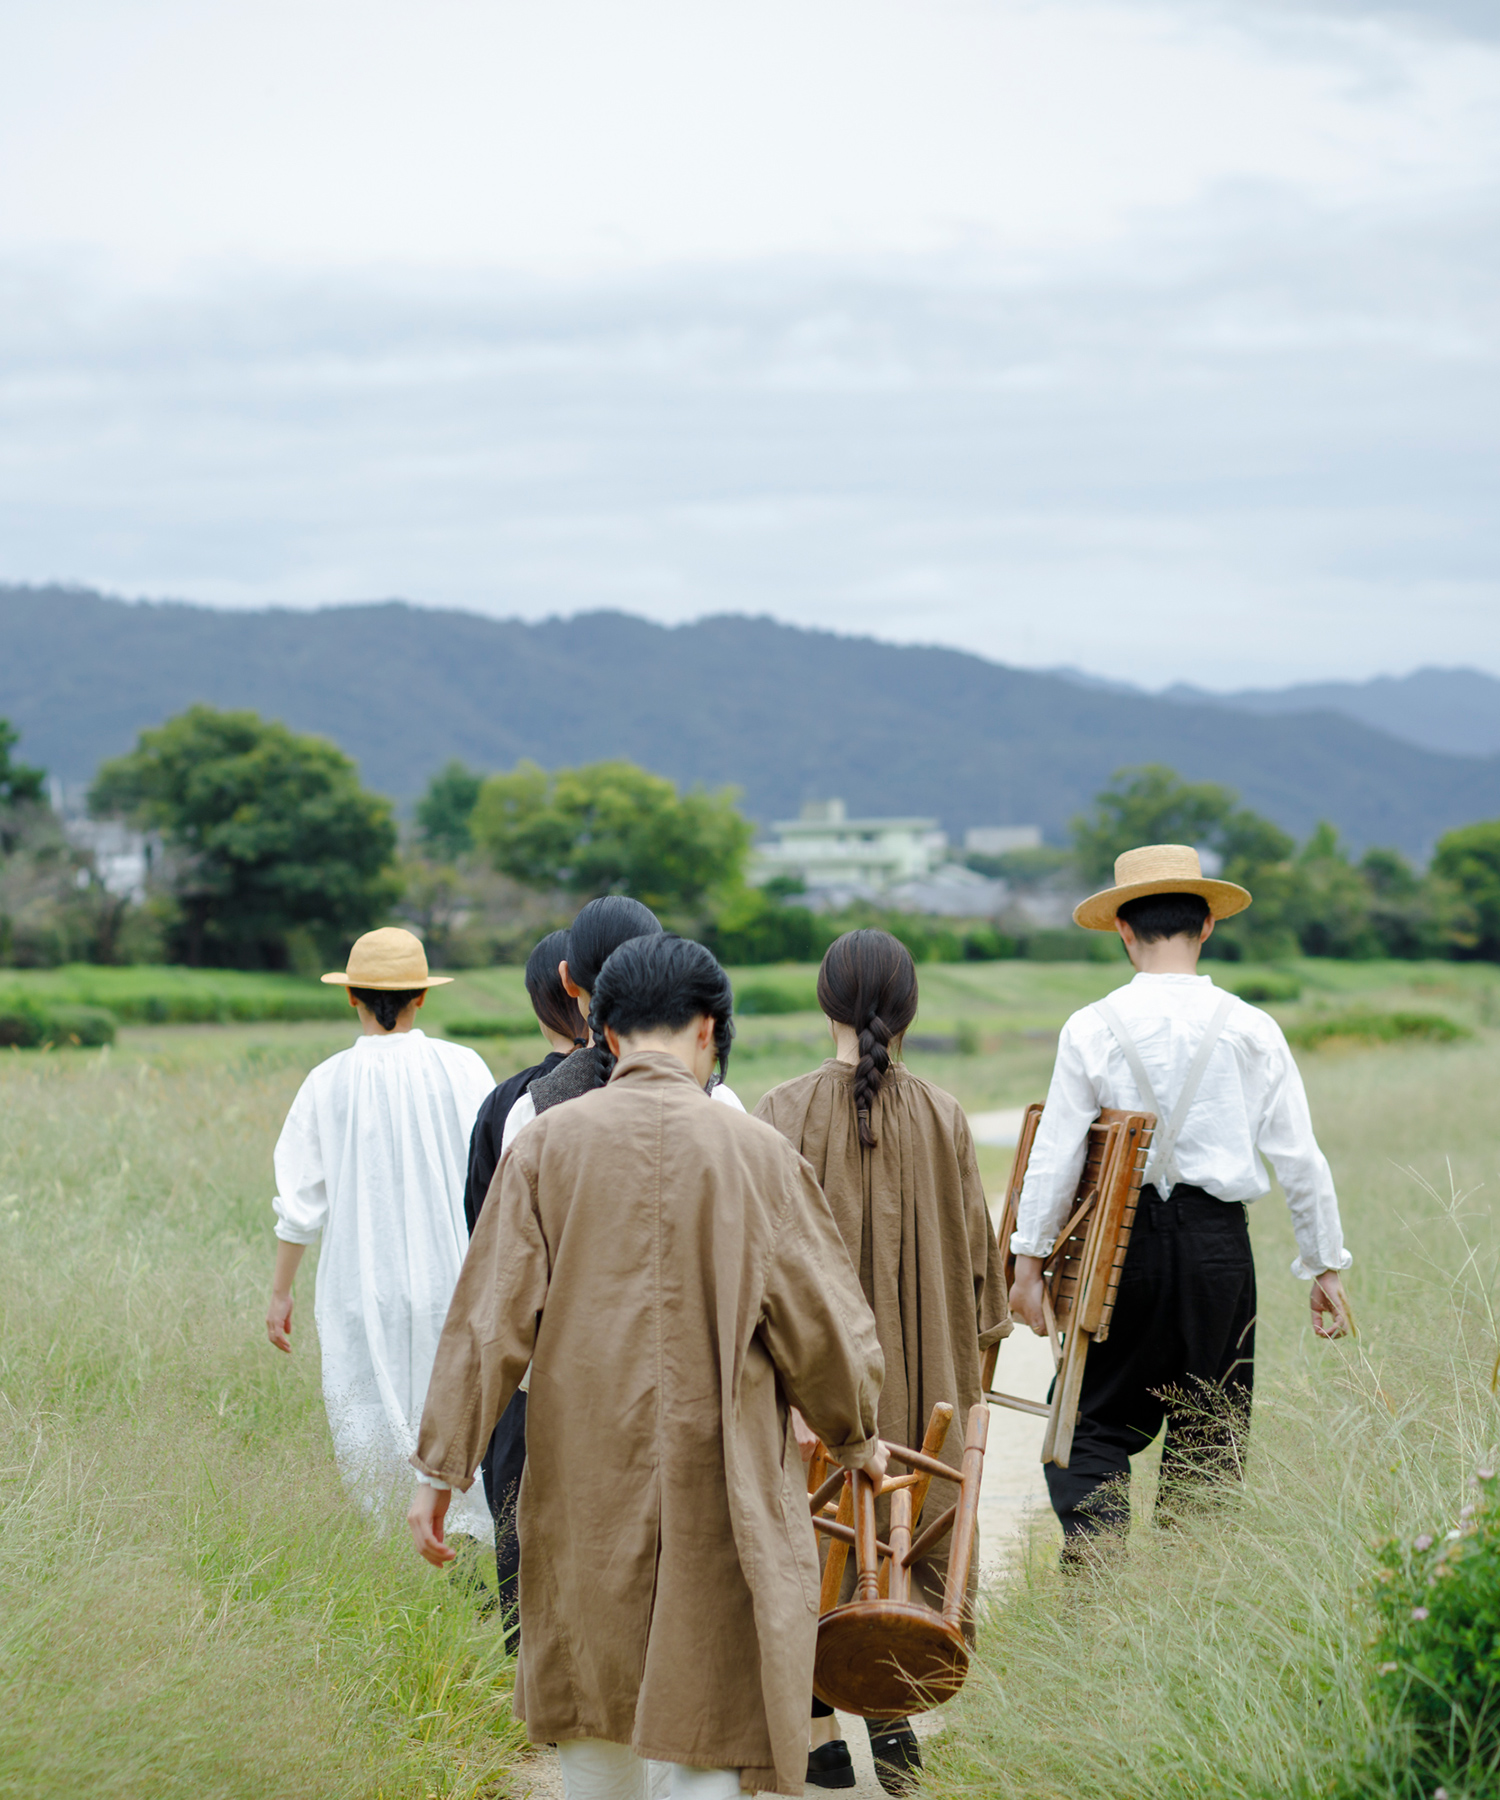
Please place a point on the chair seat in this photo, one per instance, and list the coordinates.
(885, 1659)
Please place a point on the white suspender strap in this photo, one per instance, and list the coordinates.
(1161, 1165)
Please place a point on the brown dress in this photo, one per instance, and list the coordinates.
(674, 1275)
(913, 1216)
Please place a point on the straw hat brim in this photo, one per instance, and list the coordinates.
(1097, 913)
(341, 979)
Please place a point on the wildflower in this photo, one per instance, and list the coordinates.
(1454, 1534)
(1424, 1542)
(1418, 1613)
(1440, 1794)
(1468, 1512)
(1485, 1474)
(1387, 1668)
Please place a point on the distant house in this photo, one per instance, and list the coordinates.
(826, 850)
(1000, 840)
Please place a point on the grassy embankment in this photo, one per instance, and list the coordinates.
(189, 1606)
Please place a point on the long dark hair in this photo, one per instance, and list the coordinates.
(595, 934)
(868, 981)
(662, 982)
(600, 928)
(555, 1008)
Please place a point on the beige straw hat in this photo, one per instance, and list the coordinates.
(391, 960)
(1158, 869)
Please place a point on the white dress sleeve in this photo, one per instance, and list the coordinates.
(522, 1113)
(301, 1203)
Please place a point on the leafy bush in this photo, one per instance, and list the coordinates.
(1261, 990)
(175, 996)
(1438, 1646)
(515, 1026)
(27, 1026)
(985, 944)
(1375, 1028)
(764, 997)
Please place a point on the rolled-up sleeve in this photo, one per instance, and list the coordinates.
(301, 1202)
(1057, 1152)
(1285, 1138)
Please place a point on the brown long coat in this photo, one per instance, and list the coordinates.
(673, 1273)
(913, 1216)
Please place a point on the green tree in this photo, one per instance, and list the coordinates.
(444, 811)
(1330, 909)
(273, 844)
(1469, 860)
(611, 828)
(1154, 805)
(20, 788)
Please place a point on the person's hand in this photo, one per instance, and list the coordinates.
(807, 1438)
(279, 1322)
(429, 1507)
(879, 1462)
(1328, 1298)
(1026, 1294)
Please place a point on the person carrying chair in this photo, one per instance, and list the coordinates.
(1220, 1078)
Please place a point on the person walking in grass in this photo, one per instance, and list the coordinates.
(371, 1159)
(1226, 1093)
(896, 1159)
(673, 1274)
(562, 1026)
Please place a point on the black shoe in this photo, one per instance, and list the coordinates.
(830, 1766)
(898, 1756)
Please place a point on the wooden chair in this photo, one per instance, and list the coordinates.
(885, 1653)
(1081, 1277)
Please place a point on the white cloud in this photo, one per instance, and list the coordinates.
(1156, 339)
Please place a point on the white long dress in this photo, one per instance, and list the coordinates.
(373, 1156)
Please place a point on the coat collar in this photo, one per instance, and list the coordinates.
(653, 1065)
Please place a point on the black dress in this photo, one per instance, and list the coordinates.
(505, 1456)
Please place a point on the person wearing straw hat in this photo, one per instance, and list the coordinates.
(372, 1159)
(1226, 1092)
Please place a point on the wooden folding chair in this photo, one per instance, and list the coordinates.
(885, 1653)
(1081, 1277)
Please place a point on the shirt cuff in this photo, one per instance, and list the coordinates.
(433, 1482)
(1304, 1272)
(856, 1456)
(293, 1234)
(1020, 1246)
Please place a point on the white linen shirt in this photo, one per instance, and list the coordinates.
(1250, 1104)
(372, 1157)
(524, 1111)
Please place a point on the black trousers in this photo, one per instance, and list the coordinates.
(501, 1469)
(1180, 1351)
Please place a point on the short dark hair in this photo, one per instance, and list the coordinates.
(387, 1006)
(661, 982)
(555, 1008)
(868, 981)
(599, 929)
(1156, 916)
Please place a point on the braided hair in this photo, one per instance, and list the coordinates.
(554, 1006)
(595, 934)
(868, 982)
(663, 982)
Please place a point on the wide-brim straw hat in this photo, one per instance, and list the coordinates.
(390, 960)
(1159, 869)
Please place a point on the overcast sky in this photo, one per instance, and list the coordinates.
(1156, 339)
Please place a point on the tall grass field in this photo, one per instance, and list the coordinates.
(190, 1606)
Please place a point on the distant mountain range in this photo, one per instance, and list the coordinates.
(786, 715)
(1454, 710)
